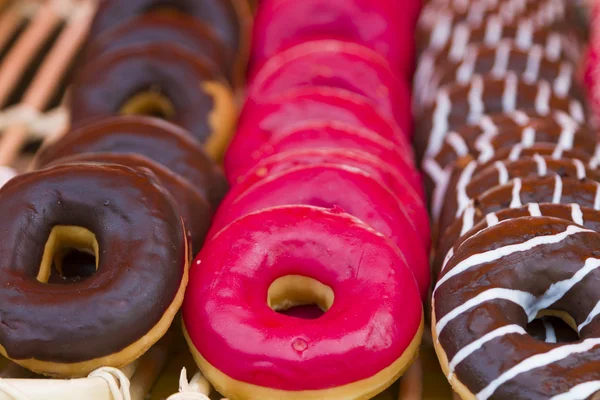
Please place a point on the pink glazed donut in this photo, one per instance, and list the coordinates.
(351, 189)
(343, 65)
(318, 135)
(288, 256)
(384, 26)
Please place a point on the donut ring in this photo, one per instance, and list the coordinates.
(356, 192)
(104, 320)
(157, 140)
(194, 208)
(319, 252)
(336, 64)
(157, 80)
(231, 20)
(490, 290)
(181, 30)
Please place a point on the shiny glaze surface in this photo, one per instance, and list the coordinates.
(194, 208)
(337, 64)
(320, 136)
(279, 351)
(536, 264)
(103, 86)
(220, 15)
(174, 30)
(378, 25)
(349, 189)
(157, 140)
(138, 274)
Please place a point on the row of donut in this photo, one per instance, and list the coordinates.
(118, 204)
(326, 208)
(511, 161)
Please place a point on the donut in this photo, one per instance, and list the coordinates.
(336, 64)
(157, 140)
(456, 105)
(230, 19)
(401, 178)
(260, 121)
(491, 288)
(107, 319)
(584, 216)
(351, 189)
(319, 135)
(472, 184)
(157, 80)
(291, 256)
(530, 65)
(194, 208)
(281, 24)
(157, 28)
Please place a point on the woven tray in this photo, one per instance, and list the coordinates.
(39, 40)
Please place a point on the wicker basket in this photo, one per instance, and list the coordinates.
(39, 40)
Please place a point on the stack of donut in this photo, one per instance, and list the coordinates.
(511, 165)
(326, 208)
(97, 243)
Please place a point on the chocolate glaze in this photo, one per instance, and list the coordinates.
(155, 139)
(100, 88)
(440, 118)
(572, 257)
(458, 195)
(220, 15)
(453, 239)
(194, 207)
(138, 275)
(174, 30)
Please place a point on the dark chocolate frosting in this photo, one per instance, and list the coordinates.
(142, 255)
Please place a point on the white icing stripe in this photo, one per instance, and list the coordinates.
(532, 69)
(537, 361)
(501, 60)
(562, 83)
(580, 168)
(468, 219)
(542, 99)
(516, 194)
(442, 31)
(542, 167)
(460, 39)
(591, 316)
(496, 254)
(597, 198)
(528, 137)
(553, 47)
(515, 152)
(491, 219)
(558, 188)
(440, 122)
(447, 258)
(550, 332)
(534, 210)
(488, 126)
(493, 32)
(476, 345)
(509, 97)
(579, 392)
(462, 199)
(475, 97)
(519, 117)
(502, 172)
(437, 198)
(576, 214)
(557, 153)
(457, 143)
(576, 111)
(465, 71)
(524, 34)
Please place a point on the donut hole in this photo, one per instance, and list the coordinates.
(553, 327)
(299, 296)
(149, 103)
(70, 255)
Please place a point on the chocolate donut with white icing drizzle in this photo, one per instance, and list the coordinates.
(500, 280)
(456, 105)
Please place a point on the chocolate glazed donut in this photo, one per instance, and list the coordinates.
(166, 29)
(157, 140)
(230, 19)
(193, 207)
(500, 280)
(156, 80)
(113, 316)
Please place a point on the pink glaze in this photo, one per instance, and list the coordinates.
(402, 179)
(333, 63)
(384, 26)
(592, 63)
(351, 189)
(259, 121)
(374, 317)
(316, 136)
